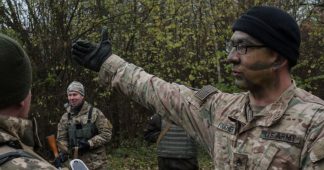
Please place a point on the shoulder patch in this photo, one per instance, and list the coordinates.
(204, 92)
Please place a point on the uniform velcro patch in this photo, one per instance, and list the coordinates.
(227, 127)
(279, 136)
(204, 92)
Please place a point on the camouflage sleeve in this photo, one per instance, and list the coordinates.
(104, 130)
(313, 153)
(171, 100)
(27, 163)
(62, 132)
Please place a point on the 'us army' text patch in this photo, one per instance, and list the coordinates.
(279, 136)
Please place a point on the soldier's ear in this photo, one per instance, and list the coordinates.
(24, 106)
(279, 62)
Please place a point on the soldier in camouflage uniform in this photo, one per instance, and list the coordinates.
(274, 125)
(84, 130)
(16, 131)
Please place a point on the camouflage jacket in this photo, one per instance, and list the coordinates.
(16, 135)
(287, 134)
(96, 158)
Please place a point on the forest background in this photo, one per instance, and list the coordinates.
(181, 41)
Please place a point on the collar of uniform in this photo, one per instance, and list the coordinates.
(273, 112)
(14, 129)
(83, 110)
(238, 113)
(270, 114)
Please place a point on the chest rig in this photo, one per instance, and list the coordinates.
(78, 132)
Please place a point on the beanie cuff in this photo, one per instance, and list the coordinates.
(256, 23)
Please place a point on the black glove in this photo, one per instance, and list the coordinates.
(62, 157)
(92, 55)
(57, 163)
(83, 146)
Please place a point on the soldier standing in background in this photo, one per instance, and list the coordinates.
(83, 130)
(176, 150)
(273, 125)
(16, 131)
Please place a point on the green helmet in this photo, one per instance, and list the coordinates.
(15, 72)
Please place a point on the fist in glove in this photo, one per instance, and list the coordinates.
(91, 55)
(84, 146)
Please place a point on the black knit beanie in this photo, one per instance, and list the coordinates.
(15, 72)
(273, 27)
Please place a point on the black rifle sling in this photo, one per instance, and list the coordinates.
(90, 114)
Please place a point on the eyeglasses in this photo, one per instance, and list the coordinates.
(240, 48)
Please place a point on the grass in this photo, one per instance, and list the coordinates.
(140, 156)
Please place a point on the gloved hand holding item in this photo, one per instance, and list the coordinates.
(83, 146)
(57, 163)
(60, 159)
(92, 55)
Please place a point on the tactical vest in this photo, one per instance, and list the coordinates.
(77, 132)
(176, 143)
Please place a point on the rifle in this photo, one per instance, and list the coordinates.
(76, 164)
